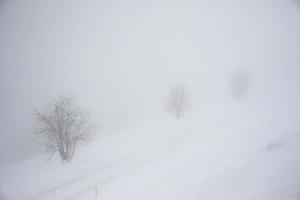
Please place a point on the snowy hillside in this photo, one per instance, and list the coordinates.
(212, 156)
(272, 173)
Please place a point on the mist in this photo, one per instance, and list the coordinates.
(119, 59)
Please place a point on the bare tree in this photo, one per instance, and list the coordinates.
(62, 127)
(177, 102)
(239, 84)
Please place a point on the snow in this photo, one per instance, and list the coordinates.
(36, 176)
(272, 173)
(219, 155)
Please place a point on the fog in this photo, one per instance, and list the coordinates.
(119, 60)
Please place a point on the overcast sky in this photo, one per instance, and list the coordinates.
(119, 58)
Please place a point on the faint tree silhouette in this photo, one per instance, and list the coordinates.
(239, 84)
(177, 102)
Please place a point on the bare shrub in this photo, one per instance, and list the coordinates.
(62, 128)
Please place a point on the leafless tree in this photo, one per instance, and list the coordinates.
(239, 84)
(177, 102)
(62, 127)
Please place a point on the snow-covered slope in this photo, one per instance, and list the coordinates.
(272, 173)
(232, 153)
(221, 161)
(36, 177)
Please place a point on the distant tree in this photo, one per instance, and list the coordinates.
(177, 102)
(239, 84)
(62, 128)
